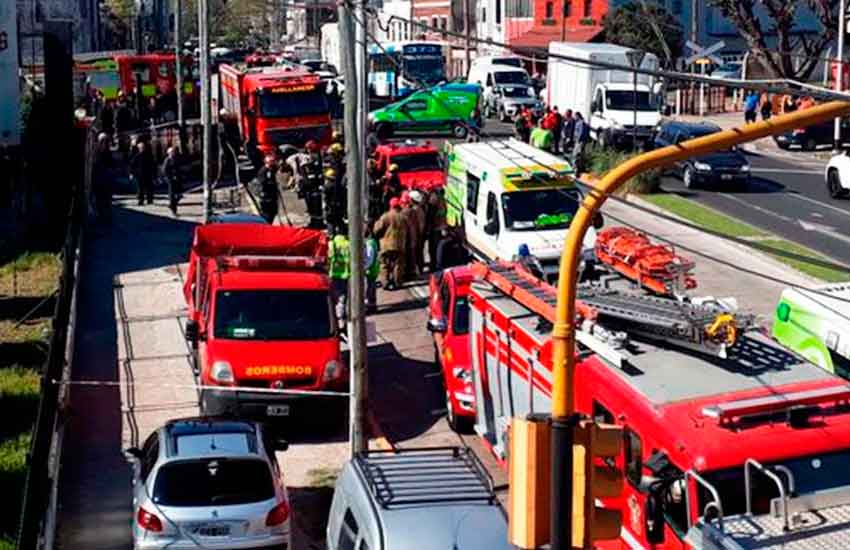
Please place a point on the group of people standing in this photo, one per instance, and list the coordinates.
(764, 104)
(558, 133)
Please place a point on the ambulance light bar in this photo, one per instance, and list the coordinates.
(270, 263)
(727, 412)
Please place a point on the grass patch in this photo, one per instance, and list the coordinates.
(824, 273)
(30, 274)
(13, 473)
(703, 216)
(323, 477)
(31, 331)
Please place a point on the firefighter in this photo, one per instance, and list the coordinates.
(267, 183)
(311, 184)
(376, 192)
(337, 138)
(435, 222)
(336, 159)
(417, 213)
(392, 232)
(372, 267)
(391, 184)
(414, 235)
(528, 261)
(339, 262)
(334, 203)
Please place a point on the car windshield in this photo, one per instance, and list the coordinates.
(427, 69)
(417, 163)
(291, 104)
(811, 473)
(511, 77)
(213, 482)
(517, 91)
(623, 100)
(460, 325)
(272, 315)
(539, 209)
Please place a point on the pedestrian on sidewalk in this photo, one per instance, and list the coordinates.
(581, 133)
(521, 129)
(567, 128)
(339, 261)
(766, 106)
(751, 104)
(143, 169)
(173, 177)
(557, 128)
(372, 267)
(419, 215)
(392, 232)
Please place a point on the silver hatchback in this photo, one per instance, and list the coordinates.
(206, 483)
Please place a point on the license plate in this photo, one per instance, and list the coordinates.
(726, 176)
(211, 530)
(277, 410)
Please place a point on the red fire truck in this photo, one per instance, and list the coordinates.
(419, 164)
(276, 106)
(260, 316)
(731, 442)
(158, 74)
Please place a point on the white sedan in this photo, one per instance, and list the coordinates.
(838, 175)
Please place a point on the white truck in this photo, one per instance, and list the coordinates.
(605, 97)
(330, 46)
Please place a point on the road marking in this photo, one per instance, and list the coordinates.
(760, 209)
(783, 171)
(819, 203)
(827, 230)
(419, 291)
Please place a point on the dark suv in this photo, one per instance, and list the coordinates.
(723, 168)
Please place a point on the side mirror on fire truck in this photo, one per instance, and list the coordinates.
(437, 325)
(192, 331)
(595, 447)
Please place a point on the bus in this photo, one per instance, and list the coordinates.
(98, 71)
(423, 62)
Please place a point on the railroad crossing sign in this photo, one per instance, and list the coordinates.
(704, 56)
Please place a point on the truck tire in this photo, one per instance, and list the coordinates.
(459, 131)
(383, 131)
(604, 140)
(458, 424)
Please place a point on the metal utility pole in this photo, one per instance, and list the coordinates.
(355, 85)
(206, 96)
(635, 58)
(178, 67)
(839, 70)
(467, 31)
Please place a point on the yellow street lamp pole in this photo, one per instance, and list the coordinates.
(563, 332)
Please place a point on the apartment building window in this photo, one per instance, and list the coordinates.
(550, 10)
(568, 8)
(498, 12)
(588, 8)
(483, 14)
(444, 23)
(519, 8)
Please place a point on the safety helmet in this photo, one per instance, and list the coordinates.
(311, 146)
(416, 196)
(393, 167)
(336, 136)
(394, 202)
(270, 159)
(336, 149)
(523, 251)
(405, 198)
(330, 173)
(223, 113)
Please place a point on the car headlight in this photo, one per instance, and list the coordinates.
(222, 372)
(462, 374)
(333, 370)
(745, 168)
(702, 166)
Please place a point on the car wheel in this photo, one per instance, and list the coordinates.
(810, 144)
(688, 177)
(459, 130)
(833, 184)
(384, 131)
(460, 425)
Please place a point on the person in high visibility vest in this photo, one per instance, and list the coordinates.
(339, 269)
(372, 267)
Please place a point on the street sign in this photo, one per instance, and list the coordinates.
(9, 80)
(704, 56)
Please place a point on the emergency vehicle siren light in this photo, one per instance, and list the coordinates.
(595, 446)
(793, 403)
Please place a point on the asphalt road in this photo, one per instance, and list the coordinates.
(785, 197)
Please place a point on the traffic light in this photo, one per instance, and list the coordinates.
(592, 479)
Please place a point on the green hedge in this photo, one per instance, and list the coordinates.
(599, 161)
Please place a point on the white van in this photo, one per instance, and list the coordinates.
(505, 89)
(505, 193)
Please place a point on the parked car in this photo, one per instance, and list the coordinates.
(449, 107)
(416, 499)
(209, 483)
(812, 137)
(448, 322)
(722, 168)
(837, 175)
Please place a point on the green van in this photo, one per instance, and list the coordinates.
(816, 325)
(451, 107)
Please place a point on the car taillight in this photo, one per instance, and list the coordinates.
(799, 131)
(149, 521)
(277, 515)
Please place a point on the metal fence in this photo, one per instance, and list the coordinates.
(37, 522)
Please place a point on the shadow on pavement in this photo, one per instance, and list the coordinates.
(406, 395)
(95, 502)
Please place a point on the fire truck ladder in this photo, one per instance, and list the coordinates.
(702, 327)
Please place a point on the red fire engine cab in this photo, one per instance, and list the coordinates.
(280, 105)
(731, 442)
(260, 317)
(419, 164)
(448, 321)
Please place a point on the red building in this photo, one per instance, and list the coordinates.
(558, 20)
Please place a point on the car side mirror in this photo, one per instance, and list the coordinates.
(492, 227)
(437, 326)
(132, 454)
(193, 332)
(281, 444)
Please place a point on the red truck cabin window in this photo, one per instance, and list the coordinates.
(272, 315)
(292, 102)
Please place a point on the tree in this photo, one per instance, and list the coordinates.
(233, 20)
(645, 26)
(793, 54)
